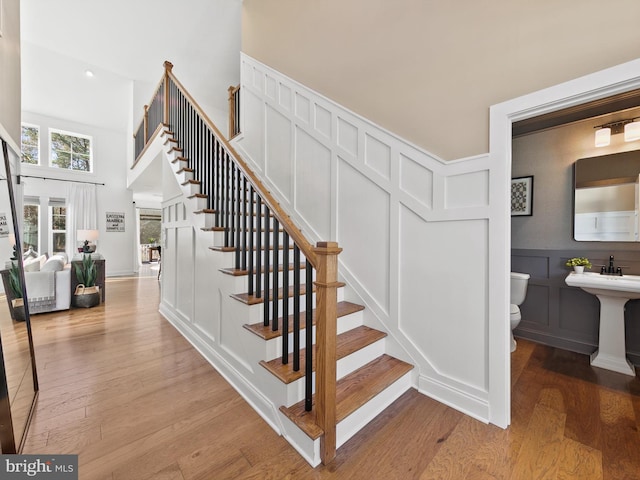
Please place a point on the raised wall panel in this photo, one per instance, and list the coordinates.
(313, 183)
(448, 325)
(184, 271)
(416, 181)
(363, 231)
(271, 89)
(169, 267)
(377, 156)
(347, 137)
(253, 122)
(536, 266)
(323, 121)
(579, 313)
(352, 179)
(278, 151)
(467, 190)
(303, 108)
(258, 80)
(285, 97)
(535, 308)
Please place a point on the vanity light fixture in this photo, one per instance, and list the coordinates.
(632, 131)
(630, 126)
(603, 137)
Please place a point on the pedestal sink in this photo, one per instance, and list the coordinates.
(613, 291)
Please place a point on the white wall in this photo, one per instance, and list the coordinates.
(110, 168)
(415, 230)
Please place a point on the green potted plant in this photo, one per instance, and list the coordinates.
(15, 286)
(87, 293)
(578, 264)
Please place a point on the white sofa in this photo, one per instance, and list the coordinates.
(49, 284)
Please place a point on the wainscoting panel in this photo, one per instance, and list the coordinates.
(415, 231)
(567, 317)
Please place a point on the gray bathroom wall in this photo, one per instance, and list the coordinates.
(556, 314)
(549, 156)
(553, 313)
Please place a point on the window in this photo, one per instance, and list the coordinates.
(58, 226)
(30, 234)
(150, 226)
(30, 144)
(70, 151)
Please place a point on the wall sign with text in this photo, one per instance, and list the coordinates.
(115, 221)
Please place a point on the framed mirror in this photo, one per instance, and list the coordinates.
(607, 198)
(18, 376)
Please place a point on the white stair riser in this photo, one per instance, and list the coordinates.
(184, 176)
(190, 189)
(295, 391)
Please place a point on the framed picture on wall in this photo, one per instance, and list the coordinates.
(522, 196)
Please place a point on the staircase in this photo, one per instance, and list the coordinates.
(326, 372)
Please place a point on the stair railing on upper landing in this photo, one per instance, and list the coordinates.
(242, 205)
(234, 111)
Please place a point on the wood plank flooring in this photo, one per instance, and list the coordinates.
(121, 388)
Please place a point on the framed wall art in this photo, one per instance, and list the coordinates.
(522, 196)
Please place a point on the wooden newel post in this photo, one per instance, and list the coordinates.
(168, 67)
(326, 332)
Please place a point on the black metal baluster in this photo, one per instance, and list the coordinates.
(308, 383)
(251, 233)
(258, 247)
(276, 268)
(218, 203)
(285, 298)
(296, 308)
(267, 293)
(229, 187)
(238, 197)
(244, 223)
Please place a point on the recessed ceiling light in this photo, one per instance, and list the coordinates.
(88, 73)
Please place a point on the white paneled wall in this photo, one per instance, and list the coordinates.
(415, 230)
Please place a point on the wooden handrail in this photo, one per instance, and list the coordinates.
(285, 221)
(233, 174)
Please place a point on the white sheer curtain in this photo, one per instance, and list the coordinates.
(82, 213)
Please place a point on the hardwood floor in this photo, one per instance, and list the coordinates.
(121, 388)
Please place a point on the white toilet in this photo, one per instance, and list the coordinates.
(519, 282)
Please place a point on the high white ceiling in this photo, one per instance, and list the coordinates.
(124, 41)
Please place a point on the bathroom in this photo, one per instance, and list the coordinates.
(554, 313)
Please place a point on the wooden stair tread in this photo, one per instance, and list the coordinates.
(198, 195)
(343, 309)
(204, 210)
(238, 272)
(346, 343)
(253, 300)
(352, 391)
(186, 169)
(191, 182)
(213, 229)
